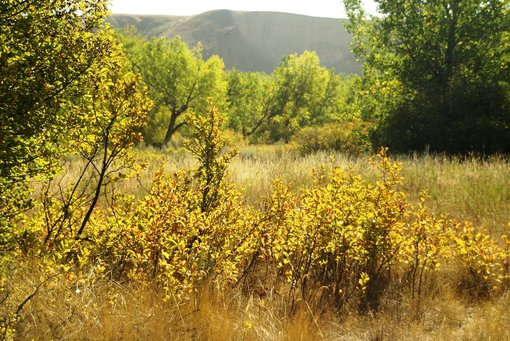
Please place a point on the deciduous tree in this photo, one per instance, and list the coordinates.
(248, 98)
(299, 93)
(306, 93)
(46, 49)
(437, 72)
(180, 80)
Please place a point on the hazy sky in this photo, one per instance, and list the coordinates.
(319, 8)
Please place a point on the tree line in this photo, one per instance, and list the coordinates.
(435, 74)
(261, 107)
(435, 78)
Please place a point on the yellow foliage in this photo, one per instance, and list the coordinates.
(340, 243)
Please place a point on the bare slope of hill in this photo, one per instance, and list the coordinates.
(253, 41)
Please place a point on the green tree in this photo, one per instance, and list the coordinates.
(110, 117)
(436, 73)
(46, 49)
(300, 93)
(179, 81)
(248, 98)
(299, 81)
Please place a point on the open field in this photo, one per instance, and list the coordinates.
(98, 306)
(471, 188)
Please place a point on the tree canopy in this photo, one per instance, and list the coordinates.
(179, 79)
(300, 92)
(248, 97)
(436, 73)
(264, 108)
(46, 48)
(59, 62)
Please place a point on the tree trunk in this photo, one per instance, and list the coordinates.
(171, 126)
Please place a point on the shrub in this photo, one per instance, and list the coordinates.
(349, 138)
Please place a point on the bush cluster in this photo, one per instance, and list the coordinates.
(344, 243)
(350, 138)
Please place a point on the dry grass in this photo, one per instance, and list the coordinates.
(470, 189)
(109, 311)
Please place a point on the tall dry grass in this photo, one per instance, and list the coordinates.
(110, 311)
(471, 189)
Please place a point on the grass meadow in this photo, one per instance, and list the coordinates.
(473, 189)
(468, 188)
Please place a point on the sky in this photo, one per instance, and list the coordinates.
(317, 8)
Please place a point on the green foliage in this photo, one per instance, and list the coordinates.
(208, 147)
(305, 94)
(110, 118)
(300, 93)
(46, 49)
(68, 92)
(261, 107)
(436, 74)
(248, 96)
(179, 81)
(350, 138)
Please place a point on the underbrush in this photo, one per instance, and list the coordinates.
(112, 311)
(340, 256)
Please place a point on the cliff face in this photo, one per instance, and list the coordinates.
(252, 41)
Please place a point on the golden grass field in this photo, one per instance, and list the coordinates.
(477, 190)
(469, 188)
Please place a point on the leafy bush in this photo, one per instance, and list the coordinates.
(349, 138)
(343, 243)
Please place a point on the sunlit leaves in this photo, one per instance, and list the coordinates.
(179, 79)
(299, 93)
(208, 146)
(47, 48)
(249, 96)
(445, 66)
(305, 93)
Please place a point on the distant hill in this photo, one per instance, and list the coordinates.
(252, 41)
